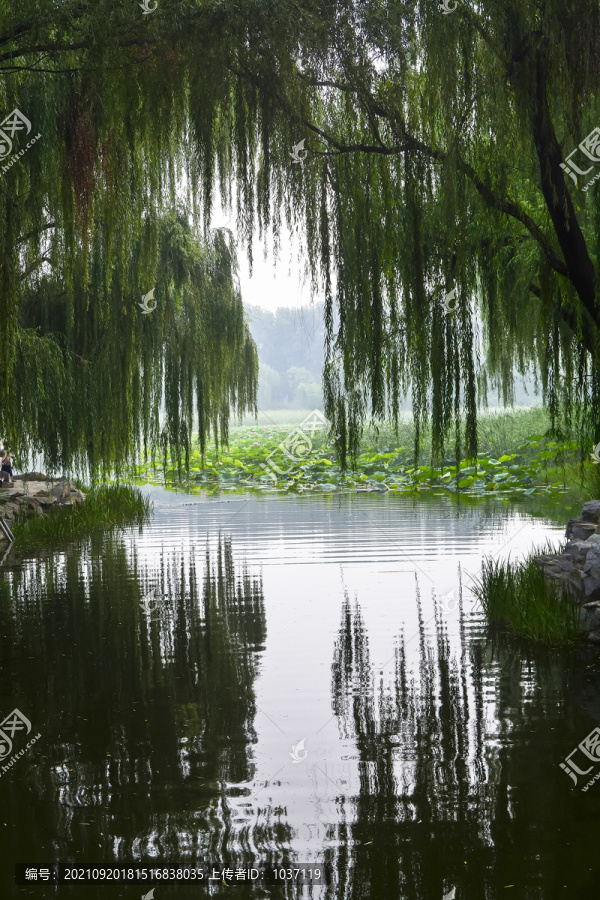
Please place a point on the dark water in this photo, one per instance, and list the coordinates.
(427, 748)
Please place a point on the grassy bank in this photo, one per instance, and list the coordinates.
(104, 506)
(518, 595)
(516, 459)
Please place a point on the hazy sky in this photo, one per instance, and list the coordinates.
(269, 287)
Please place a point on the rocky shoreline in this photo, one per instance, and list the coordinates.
(33, 494)
(576, 571)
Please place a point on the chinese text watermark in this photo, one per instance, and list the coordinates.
(590, 147)
(590, 748)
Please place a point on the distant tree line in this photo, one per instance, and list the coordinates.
(291, 351)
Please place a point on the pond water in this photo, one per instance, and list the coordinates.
(311, 685)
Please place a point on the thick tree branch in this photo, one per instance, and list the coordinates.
(512, 209)
(580, 267)
(35, 231)
(586, 330)
(35, 265)
(410, 143)
(15, 32)
(509, 207)
(69, 15)
(58, 48)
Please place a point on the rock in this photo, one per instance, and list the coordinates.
(32, 503)
(33, 476)
(591, 512)
(592, 560)
(59, 490)
(573, 583)
(591, 584)
(577, 551)
(580, 531)
(592, 615)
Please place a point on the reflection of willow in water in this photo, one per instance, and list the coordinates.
(147, 731)
(145, 717)
(452, 781)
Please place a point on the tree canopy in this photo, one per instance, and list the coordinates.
(436, 147)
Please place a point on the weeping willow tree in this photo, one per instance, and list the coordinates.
(113, 303)
(435, 148)
(92, 386)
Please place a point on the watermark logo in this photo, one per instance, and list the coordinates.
(14, 122)
(146, 10)
(145, 307)
(14, 723)
(590, 147)
(297, 446)
(450, 298)
(596, 454)
(297, 750)
(590, 747)
(152, 603)
(298, 149)
(149, 601)
(447, 601)
(446, 8)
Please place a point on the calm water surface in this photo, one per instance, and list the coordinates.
(314, 684)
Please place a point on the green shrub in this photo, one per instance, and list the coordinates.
(519, 595)
(105, 506)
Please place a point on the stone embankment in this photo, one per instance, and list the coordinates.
(34, 495)
(576, 570)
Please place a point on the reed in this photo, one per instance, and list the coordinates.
(105, 506)
(517, 594)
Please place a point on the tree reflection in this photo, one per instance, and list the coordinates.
(452, 792)
(146, 717)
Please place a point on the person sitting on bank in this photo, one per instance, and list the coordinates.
(6, 465)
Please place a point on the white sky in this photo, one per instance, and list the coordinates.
(269, 287)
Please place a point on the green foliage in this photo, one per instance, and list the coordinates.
(519, 595)
(111, 363)
(105, 507)
(89, 224)
(434, 146)
(535, 468)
